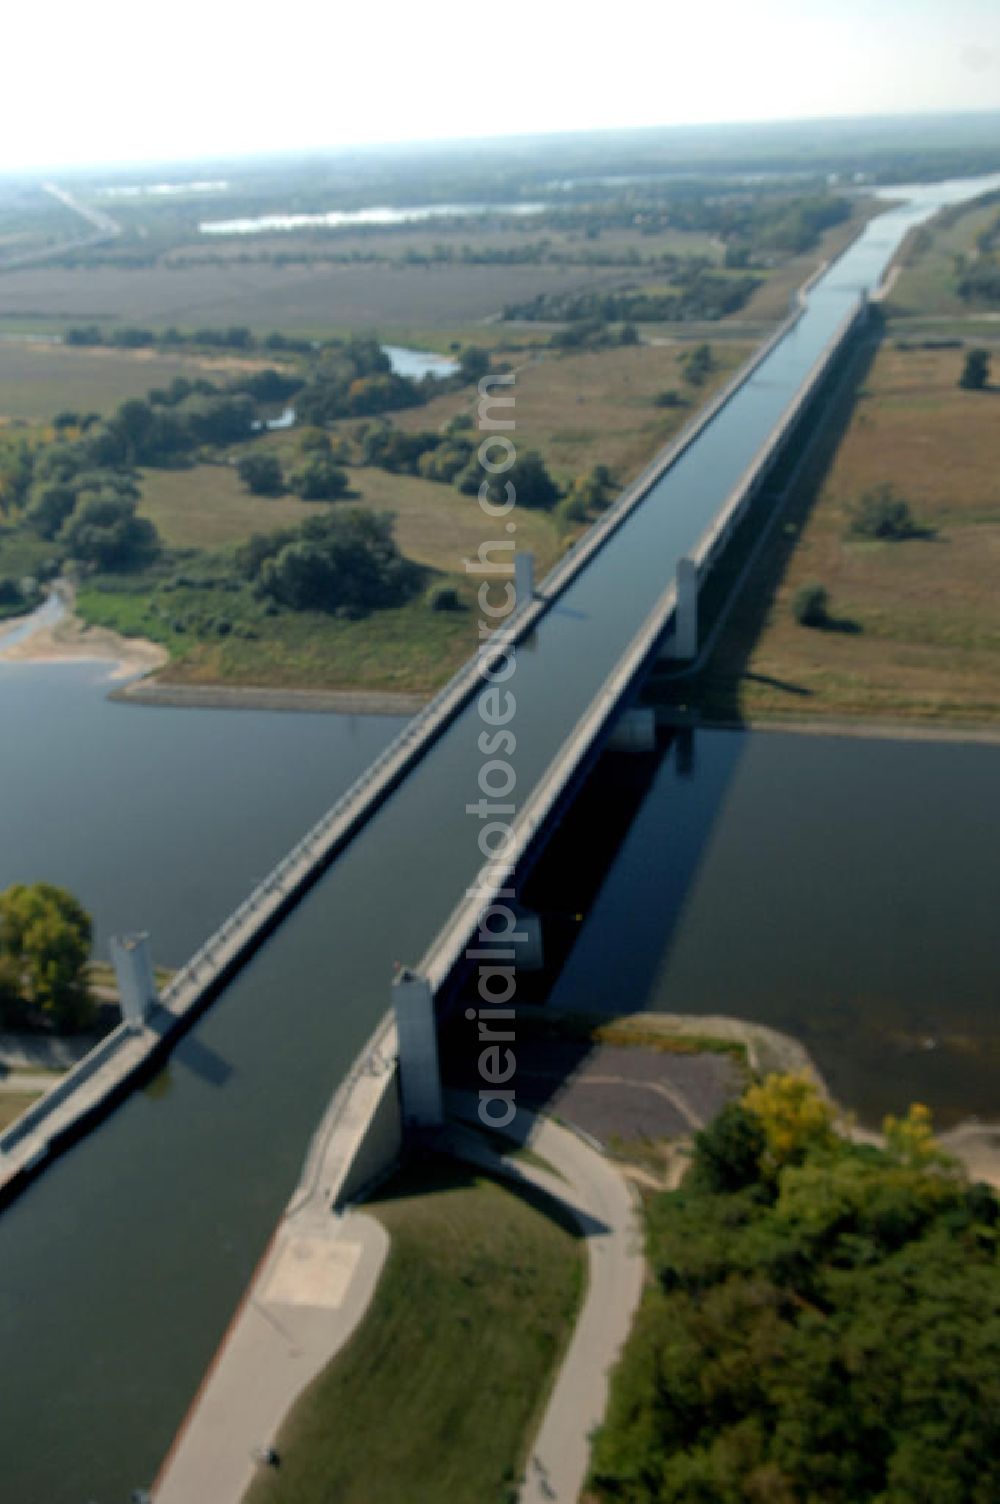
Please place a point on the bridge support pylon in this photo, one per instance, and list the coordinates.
(133, 966)
(634, 731)
(419, 1067)
(524, 578)
(684, 642)
(529, 939)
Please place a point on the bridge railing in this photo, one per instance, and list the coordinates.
(717, 533)
(438, 710)
(446, 950)
(126, 1050)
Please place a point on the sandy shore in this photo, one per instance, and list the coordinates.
(136, 659)
(71, 641)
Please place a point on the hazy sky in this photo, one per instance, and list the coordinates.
(119, 80)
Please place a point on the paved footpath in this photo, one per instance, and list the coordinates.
(317, 1279)
(311, 1290)
(602, 1204)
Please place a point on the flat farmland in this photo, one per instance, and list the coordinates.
(425, 239)
(915, 631)
(39, 380)
(595, 408)
(313, 299)
(207, 507)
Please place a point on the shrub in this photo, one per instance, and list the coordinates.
(976, 371)
(882, 514)
(810, 606)
(444, 598)
(670, 398)
(261, 474)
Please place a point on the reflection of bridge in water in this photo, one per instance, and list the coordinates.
(184, 1187)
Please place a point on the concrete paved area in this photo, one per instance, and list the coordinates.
(601, 1203)
(311, 1290)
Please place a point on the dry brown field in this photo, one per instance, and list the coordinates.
(917, 622)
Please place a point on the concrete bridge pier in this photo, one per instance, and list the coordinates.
(634, 731)
(419, 1066)
(684, 641)
(134, 970)
(524, 579)
(530, 942)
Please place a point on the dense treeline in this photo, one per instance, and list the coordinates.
(236, 337)
(700, 294)
(824, 1322)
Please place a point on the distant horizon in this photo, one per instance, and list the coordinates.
(547, 138)
(88, 88)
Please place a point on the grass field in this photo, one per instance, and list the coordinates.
(315, 299)
(919, 620)
(437, 1395)
(926, 284)
(39, 380)
(21, 553)
(594, 408)
(14, 1102)
(577, 410)
(396, 297)
(403, 242)
(409, 649)
(207, 507)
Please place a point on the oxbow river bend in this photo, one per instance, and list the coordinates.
(120, 1267)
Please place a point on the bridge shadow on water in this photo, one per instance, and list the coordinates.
(610, 890)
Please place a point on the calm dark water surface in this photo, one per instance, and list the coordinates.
(120, 1267)
(844, 890)
(158, 818)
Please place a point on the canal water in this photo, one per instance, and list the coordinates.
(121, 1265)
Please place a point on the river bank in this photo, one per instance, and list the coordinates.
(55, 634)
(154, 691)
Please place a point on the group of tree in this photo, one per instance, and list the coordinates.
(697, 293)
(342, 561)
(433, 455)
(45, 941)
(354, 380)
(593, 334)
(588, 496)
(89, 515)
(318, 478)
(698, 364)
(18, 594)
(823, 1321)
(452, 457)
(234, 337)
(526, 482)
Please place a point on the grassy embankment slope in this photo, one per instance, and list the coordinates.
(924, 294)
(575, 410)
(915, 635)
(14, 1102)
(439, 1391)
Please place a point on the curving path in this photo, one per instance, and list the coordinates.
(601, 1203)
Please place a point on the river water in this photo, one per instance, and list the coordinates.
(841, 889)
(120, 1267)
